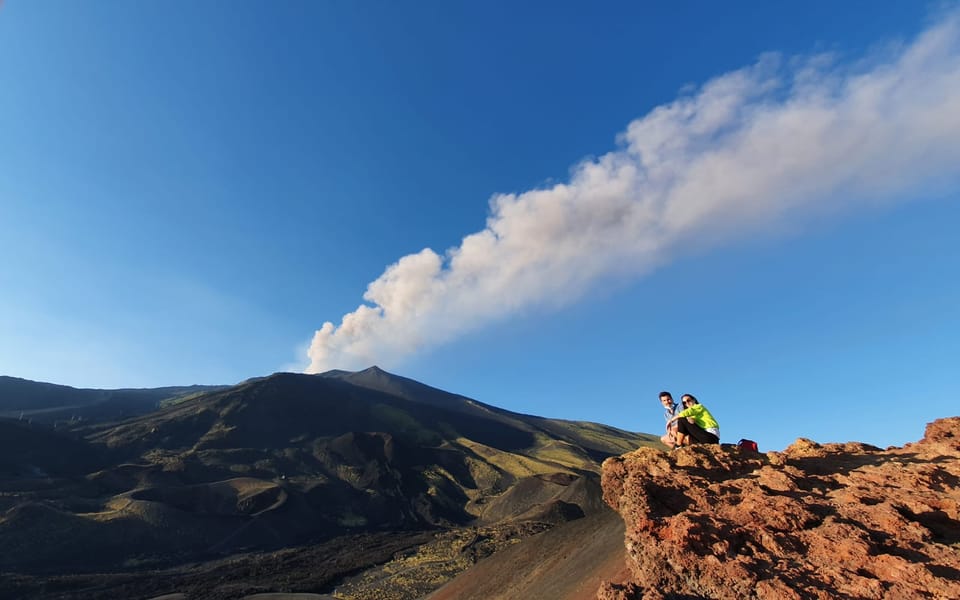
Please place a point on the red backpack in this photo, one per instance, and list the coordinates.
(746, 444)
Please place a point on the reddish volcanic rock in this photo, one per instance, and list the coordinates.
(815, 521)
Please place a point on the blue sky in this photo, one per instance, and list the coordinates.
(753, 203)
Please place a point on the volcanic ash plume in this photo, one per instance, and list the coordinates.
(775, 143)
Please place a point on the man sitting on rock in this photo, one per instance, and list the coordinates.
(670, 409)
(695, 424)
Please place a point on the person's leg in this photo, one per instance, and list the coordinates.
(697, 433)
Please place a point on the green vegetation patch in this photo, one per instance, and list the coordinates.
(404, 425)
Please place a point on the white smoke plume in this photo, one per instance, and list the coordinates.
(778, 143)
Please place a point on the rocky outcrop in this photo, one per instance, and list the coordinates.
(814, 521)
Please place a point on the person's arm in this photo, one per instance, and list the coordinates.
(683, 413)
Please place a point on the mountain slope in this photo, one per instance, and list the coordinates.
(28, 451)
(568, 562)
(290, 459)
(49, 402)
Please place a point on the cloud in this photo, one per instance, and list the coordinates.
(779, 143)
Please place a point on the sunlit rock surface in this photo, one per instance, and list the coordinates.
(815, 521)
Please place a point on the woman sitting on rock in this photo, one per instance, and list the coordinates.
(695, 424)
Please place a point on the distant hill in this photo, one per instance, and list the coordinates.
(49, 402)
(371, 448)
(290, 459)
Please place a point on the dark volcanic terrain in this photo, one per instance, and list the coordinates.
(50, 403)
(357, 484)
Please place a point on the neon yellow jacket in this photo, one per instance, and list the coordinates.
(701, 416)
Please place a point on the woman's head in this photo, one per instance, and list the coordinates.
(688, 400)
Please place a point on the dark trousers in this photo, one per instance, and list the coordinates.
(696, 433)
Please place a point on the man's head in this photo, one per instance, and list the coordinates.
(666, 399)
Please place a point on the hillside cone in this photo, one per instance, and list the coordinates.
(815, 521)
